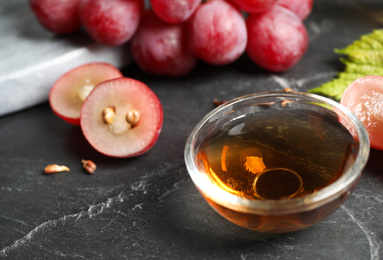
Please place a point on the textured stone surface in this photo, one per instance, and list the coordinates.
(147, 207)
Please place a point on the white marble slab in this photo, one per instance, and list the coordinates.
(32, 58)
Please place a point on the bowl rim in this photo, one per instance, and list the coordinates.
(277, 207)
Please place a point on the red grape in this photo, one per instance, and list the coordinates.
(277, 39)
(71, 89)
(122, 118)
(255, 6)
(364, 97)
(301, 8)
(111, 22)
(57, 16)
(174, 11)
(217, 32)
(160, 48)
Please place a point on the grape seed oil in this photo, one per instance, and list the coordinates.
(279, 152)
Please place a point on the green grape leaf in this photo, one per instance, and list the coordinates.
(335, 87)
(363, 57)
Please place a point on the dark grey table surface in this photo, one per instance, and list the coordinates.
(147, 207)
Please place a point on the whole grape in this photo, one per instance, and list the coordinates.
(301, 8)
(217, 32)
(174, 11)
(57, 16)
(160, 48)
(256, 6)
(111, 22)
(277, 39)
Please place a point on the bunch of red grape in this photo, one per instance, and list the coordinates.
(170, 36)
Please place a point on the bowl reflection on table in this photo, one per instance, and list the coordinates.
(277, 161)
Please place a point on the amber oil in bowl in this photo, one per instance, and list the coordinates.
(277, 161)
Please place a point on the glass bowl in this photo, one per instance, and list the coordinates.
(277, 161)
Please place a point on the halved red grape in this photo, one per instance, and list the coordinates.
(364, 97)
(71, 89)
(122, 118)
